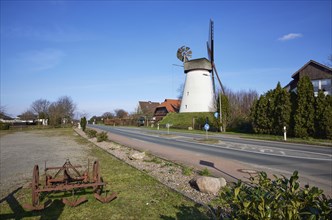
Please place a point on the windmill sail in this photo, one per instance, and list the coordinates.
(210, 42)
(210, 50)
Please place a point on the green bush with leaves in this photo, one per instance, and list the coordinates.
(4, 126)
(102, 136)
(280, 198)
(205, 172)
(187, 171)
(91, 133)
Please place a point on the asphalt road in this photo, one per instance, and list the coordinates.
(314, 163)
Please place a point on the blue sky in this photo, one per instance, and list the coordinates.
(111, 54)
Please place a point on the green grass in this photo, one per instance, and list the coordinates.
(205, 172)
(185, 120)
(187, 171)
(139, 196)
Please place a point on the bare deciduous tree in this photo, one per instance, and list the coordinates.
(40, 107)
(66, 106)
(180, 91)
(28, 115)
(240, 103)
(329, 62)
(120, 113)
(108, 115)
(2, 111)
(61, 111)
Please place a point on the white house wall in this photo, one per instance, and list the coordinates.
(198, 92)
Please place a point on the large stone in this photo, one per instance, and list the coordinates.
(223, 182)
(137, 156)
(207, 184)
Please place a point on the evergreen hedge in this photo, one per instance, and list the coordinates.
(303, 114)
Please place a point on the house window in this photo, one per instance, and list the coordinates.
(323, 84)
(316, 84)
(326, 86)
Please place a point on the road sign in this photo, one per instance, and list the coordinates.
(216, 114)
(206, 127)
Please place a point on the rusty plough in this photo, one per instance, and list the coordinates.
(71, 180)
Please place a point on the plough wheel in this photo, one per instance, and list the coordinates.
(35, 186)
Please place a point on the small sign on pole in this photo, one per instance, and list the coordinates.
(206, 127)
(167, 126)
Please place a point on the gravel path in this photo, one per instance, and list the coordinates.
(20, 151)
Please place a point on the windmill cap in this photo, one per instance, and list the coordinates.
(197, 64)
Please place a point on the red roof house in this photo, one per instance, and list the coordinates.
(169, 105)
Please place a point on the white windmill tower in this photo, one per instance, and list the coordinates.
(199, 88)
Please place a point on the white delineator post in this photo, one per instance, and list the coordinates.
(198, 93)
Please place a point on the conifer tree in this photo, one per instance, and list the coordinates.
(282, 109)
(323, 116)
(304, 113)
(270, 111)
(320, 104)
(83, 123)
(327, 117)
(293, 100)
(260, 118)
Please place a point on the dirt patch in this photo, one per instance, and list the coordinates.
(20, 151)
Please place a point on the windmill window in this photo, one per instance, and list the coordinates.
(186, 106)
(187, 93)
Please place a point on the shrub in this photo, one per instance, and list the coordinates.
(102, 136)
(280, 198)
(205, 172)
(187, 171)
(91, 133)
(83, 123)
(4, 126)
